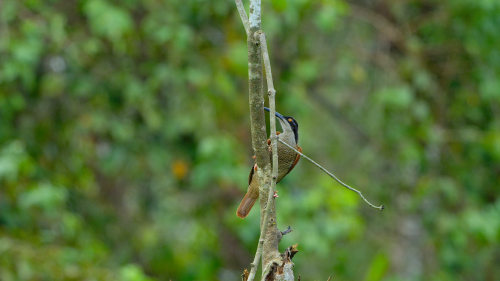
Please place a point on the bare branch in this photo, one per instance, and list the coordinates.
(286, 231)
(270, 236)
(254, 19)
(269, 76)
(258, 124)
(256, 260)
(274, 146)
(334, 177)
(243, 15)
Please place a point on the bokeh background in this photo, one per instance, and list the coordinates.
(125, 139)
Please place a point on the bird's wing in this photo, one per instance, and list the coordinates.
(271, 155)
(251, 174)
(297, 158)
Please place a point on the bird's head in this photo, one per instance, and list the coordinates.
(288, 124)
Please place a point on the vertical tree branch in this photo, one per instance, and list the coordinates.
(270, 235)
(243, 16)
(273, 236)
(269, 75)
(256, 96)
(257, 120)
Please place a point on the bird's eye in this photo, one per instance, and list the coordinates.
(289, 119)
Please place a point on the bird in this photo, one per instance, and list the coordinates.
(287, 159)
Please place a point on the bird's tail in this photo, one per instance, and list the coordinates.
(246, 205)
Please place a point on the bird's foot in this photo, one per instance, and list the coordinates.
(275, 194)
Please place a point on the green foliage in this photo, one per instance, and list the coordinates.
(125, 144)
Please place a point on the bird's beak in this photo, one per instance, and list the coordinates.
(276, 113)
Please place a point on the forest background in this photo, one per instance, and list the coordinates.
(125, 139)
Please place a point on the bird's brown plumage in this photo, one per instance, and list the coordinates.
(287, 159)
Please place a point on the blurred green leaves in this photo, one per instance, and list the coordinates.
(329, 14)
(396, 98)
(378, 268)
(132, 272)
(107, 20)
(45, 197)
(125, 145)
(14, 162)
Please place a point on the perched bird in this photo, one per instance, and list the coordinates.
(287, 159)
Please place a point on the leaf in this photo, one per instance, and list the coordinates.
(395, 97)
(107, 20)
(44, 196)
